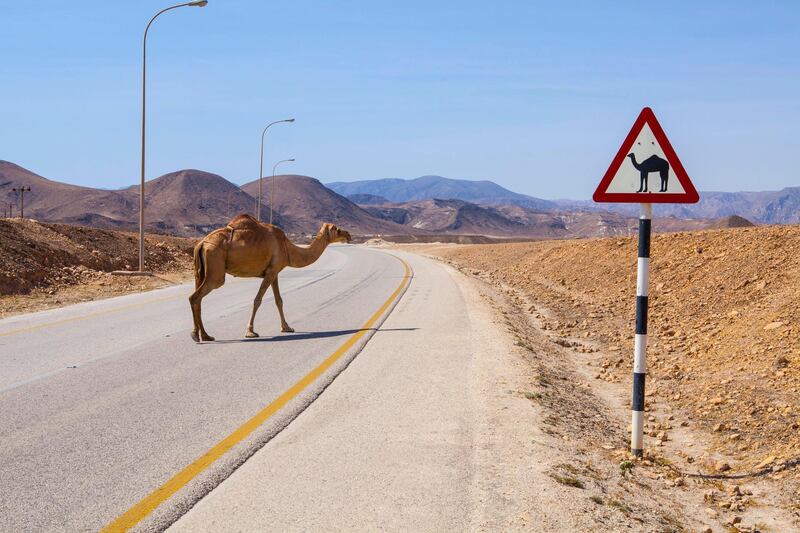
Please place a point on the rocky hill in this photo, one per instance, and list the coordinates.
(53, 200)
(456, 217)
(303, 203)
(190, 202)
(367, 199)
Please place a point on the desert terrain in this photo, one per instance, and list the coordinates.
(722, 393)
(722, 390)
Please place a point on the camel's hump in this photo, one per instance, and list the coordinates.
(244, 221)
(248, 222)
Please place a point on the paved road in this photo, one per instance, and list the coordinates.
(392, 444)
(104, 402)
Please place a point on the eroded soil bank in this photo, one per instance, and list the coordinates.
(724, 355)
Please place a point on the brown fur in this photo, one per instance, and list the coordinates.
(250, 249)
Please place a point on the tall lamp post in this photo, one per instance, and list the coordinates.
(261, 166)
(198, 3)
(272, 186)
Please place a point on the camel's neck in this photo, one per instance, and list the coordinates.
(633, 160)
(300, 256)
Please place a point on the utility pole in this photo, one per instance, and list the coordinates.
(21, 190)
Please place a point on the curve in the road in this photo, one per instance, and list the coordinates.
(153, 500)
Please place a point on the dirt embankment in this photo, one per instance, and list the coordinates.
(45, 265)
(724, 326)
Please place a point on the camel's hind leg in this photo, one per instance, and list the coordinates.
(279, 304)
(212, 262)
(269, 277)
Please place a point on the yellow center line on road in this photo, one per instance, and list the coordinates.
(84, 317)
(150, 502)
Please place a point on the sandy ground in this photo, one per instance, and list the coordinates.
(685, 467)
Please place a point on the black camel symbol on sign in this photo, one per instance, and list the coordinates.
(651, 164)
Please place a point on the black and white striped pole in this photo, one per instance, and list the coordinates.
(649, 151)
(640, 342)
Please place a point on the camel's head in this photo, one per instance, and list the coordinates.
(333, 234)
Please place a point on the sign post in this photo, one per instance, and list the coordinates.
(649, 152)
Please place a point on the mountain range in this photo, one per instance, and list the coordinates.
(430, 187)
(766, 207)
(191, 202)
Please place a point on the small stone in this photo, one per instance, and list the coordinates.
(719, 427)
(773, 325)
(722, 466)
(779, 363)
(711, 513)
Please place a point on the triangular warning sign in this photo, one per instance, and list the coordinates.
(646, 169)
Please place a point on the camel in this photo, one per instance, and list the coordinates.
(651, 164)
(247, 248)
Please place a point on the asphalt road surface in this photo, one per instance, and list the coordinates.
(109, 410)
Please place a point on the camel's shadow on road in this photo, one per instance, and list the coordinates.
(306, 335)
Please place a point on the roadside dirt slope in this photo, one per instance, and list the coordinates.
(46, 265)
(724, 321)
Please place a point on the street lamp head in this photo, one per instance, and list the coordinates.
(292, 159)
(289, 120)
(199, 3)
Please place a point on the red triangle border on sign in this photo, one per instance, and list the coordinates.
(689, 196)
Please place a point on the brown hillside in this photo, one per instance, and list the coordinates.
(452, 216)
(52, 200)
(733, 221)
(191, 202)
(305, 203)
(724, 323)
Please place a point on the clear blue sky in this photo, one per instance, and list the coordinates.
(535, 97)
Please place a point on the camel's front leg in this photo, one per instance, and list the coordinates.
(269, 277)
(279, 303)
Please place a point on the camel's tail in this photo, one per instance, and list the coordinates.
(199, 265)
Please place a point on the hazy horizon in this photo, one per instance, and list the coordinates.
(512, 93)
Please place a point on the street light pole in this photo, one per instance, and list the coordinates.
(272, 187)
(199, 3)
(261, 166)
